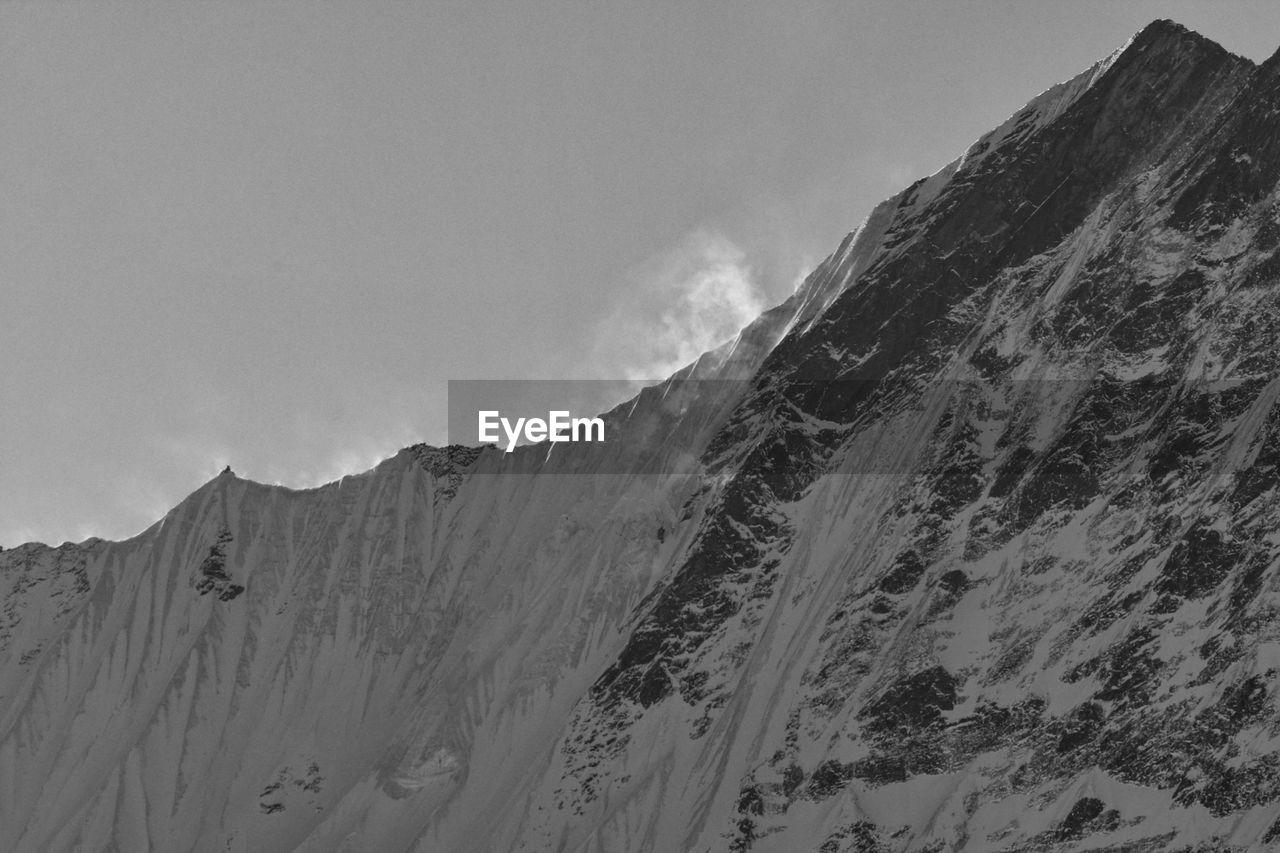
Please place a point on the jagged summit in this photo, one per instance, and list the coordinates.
(1164, 30)
(1168, 34)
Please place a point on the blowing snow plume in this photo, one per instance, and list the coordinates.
(685, 302)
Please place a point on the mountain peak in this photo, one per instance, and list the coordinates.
(1164, 32)
(1163, 28)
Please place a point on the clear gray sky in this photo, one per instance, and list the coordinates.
(267, 233)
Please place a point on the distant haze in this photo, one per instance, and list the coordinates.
(266, 234)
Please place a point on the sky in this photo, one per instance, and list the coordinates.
(267, 234)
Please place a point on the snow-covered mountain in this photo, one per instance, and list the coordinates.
(974, 549)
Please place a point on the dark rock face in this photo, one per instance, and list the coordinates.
(212, 575)
(447, 464)
(1092, 237)
(912, 703)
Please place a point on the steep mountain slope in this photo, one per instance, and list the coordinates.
(969, 545)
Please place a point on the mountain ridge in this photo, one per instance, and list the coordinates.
(975, 551)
